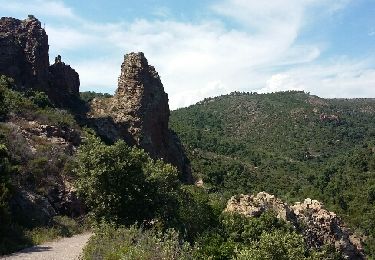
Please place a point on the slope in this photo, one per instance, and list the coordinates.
(291, 144)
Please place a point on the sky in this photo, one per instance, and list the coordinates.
(205, 48)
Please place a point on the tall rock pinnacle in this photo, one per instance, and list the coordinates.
(24, 51)
(24, 57)
(139, 114)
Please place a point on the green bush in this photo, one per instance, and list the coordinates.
(61, 226)
(275, 245)
(123, 184)
(245, 230)
(5, 187)
(39, 98)
(87, 96)
(113, 243)
(194, 215)
(214, 245)
(3, 108)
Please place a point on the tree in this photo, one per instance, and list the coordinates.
(5, 194)
(123, 184)
(276, 245)
(4, 84)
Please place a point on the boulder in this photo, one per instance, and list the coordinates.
(319, 226)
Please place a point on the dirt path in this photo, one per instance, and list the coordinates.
(65, 248)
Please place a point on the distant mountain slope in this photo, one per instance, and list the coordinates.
(293, 125)
(291, 144)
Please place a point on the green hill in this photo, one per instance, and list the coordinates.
(292, 144)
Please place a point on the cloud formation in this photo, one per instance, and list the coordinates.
(207, 57)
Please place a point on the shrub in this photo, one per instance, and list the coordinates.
(246, 230)
(3, 107)
(276, 245)
(87, 96)
(195, 215)
(5, 186)
(131, 243)
(213, 245)
(40, 99)
(123, 184)
(61, 226)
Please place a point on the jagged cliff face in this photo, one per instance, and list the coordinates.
(139, 113)
(24, 51)
(24, 57)
(63, 81)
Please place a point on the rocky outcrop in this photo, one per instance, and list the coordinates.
(139, 114)
(54, 193)
(319, 226)
(329, 118)
(24, 52)
(24, 57)
(54, 134)
(64, 82)
(31, 209)
(254, 206)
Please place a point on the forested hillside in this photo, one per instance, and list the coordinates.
(290, 144)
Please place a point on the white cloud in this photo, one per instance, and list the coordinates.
(281, 82)
(341, 78)
(207, 58)
(99, 75)
(191, 96)
(66, 38)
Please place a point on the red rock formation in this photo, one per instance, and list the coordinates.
(139, 113)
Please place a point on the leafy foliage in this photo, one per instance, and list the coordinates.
(29, 163)
(290, 144)
(123, 184)
(5, 189)
(87, 96)
(111, 242)
(4, 84)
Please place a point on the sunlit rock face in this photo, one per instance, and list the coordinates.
(24, 52)
(139, 114)
(319, 226)
(24, 57)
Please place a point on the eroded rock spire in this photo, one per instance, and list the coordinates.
(139, 113)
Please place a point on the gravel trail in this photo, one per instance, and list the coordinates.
(63, 249)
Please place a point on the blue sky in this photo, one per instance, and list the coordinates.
(207, 48)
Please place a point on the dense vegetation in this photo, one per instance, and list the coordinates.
(144, 212)
(123, 184)
(31, 171)
(290, 144)
(87, 96)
